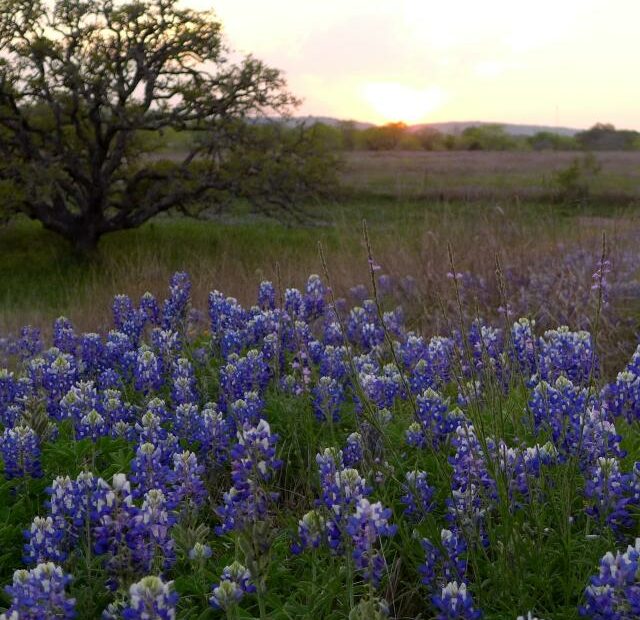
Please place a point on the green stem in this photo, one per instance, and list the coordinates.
(261, 606)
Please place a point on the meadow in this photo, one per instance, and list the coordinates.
(441, 423)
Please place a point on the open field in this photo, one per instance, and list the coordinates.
(477, 175)
(388, 441)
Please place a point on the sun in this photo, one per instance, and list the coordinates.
(392, 101)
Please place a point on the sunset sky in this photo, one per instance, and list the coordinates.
(551, 62)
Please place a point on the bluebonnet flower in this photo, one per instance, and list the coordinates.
(613, 593)
(148, 370)
(394, 322)
(158, 408)
(151, 598)
(369, 523)
(294, 303)
(149, 538)
(148, 470)
(248, 409)
(472, 488)
(328, 395)
(62, 500)
(39, 593)
(444, 562)
(353, 452)
(524, 346)
(188, 422)
(81, 398)
(150, 429)
(114, 513)
(311, 531)
(623, 396)
(332, 333)
(516, 466)
(232, 342)
(243, 374)
(333, 362)
(436, 421)
(266, 296)
(455, 603)
(418, 497)
(112, 407)
(119, 351)
(44, 542)
(20, 449)
(9, 390)
(174, 309)
(126, 318)
(253, 464)
(383, 388)
(58, 375)
(414, 435)
(609, 492)
(225, 314)
(167, 343)
(149, 308)
(342, 488)
(70, 505)
(184, 382)
(364, 327)
(91, 352)
(598, 438)
(568, 353)
(235, 582)
(314, 299)
(486, 346)
(187, 485)
(92, 426)
(560, 408)
(214, 434)
(64, 336)
(30, 343)
(122, 308)
(411, 350)
(200, 551)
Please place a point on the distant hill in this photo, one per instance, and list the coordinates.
(458, 127)
(329, 120)
(453, 127)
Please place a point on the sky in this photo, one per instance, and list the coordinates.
(568, 63)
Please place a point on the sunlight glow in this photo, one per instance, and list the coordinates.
(391, 101)
(424, 60)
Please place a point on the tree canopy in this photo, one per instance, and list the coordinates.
(87, 86)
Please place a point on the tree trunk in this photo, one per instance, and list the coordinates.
(85, 240)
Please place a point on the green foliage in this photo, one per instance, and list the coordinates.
(573, 183)
(487, 138)
(605, 137)
(385, 138)
(548, 141)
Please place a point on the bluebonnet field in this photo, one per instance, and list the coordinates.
(308, 458)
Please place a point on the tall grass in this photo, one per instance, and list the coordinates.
(548, 259)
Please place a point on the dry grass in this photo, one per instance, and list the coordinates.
(413, 241)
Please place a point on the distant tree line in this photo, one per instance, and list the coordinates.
(347, 136)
